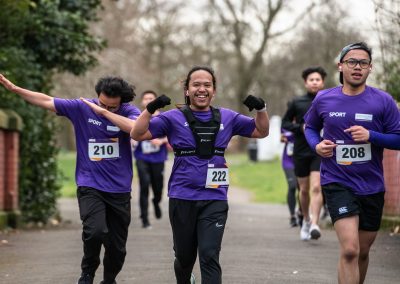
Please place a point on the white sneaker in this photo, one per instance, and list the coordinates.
(192, 279)
(305, 231)
(315, 232)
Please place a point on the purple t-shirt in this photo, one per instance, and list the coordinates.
(104, 156)
(356, 165)
(189, 173)
(146, 151)
(287, 155)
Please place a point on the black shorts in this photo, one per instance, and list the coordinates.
(342, 202)
(303, 166)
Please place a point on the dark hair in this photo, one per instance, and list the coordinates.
(191, 71)
(310, 70)
(115, 87)
(148, 92)
(358, 45)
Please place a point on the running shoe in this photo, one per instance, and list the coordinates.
(146, 224)
(157, 210)
(192, 279)
(293, 222)
(305, 231)
(315, 232)
(299, 218)
(85, 279)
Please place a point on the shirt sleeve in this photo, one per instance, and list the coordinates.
(159, 126)
(132, 112)
(67, 107)
(243, 125)
(312, 117)
(391, 120)
(312, 137)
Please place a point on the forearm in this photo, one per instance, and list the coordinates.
(35, 98)
(141, 129)
(312, 137)
(124, 123)
(262, 125)
(385, 140)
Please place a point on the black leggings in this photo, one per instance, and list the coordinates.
(197, 225)
(149, 174)
(292, 186)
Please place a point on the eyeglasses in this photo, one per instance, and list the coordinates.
(364, 64)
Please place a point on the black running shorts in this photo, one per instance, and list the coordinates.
(342, 203)
(305, 165)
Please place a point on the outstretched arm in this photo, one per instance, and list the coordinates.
(141, 130)
(35, 98)
(261, 119)
(124, 123)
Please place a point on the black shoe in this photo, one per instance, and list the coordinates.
(146, 225)
(85, 279)
(300, 218)
(293, 222)
(114, 282)
(157, 211)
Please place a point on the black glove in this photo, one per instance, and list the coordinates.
(159, 102)
(253, 102)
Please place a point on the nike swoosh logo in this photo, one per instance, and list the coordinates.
(219, 225)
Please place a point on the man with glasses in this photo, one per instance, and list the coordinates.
(359, 121)
(103, 169)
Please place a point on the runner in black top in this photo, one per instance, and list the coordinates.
(306, 161)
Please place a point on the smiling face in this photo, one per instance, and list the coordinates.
(355, 76)
(200, 90)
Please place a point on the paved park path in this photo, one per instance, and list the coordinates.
(258, 247)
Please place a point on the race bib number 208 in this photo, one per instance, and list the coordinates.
(353, 154)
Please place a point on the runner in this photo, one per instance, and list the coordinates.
(103, 170)
(150, 158)
(199, 135)
(288, 167)
(359, 121)
(306, 162)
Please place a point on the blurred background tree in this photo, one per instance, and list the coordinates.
(39, 38)
(388, 27)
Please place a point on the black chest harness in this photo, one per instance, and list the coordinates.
(204, 134)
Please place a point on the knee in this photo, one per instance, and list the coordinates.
(316, 189)
(185, 260)
(94, 234)
(350, 254)
(207, 255)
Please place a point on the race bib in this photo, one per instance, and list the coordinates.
(100, 149)
(289, 148)
(217, 175)
(148, 147)
(353, 154)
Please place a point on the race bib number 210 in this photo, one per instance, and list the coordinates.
(103, 149)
